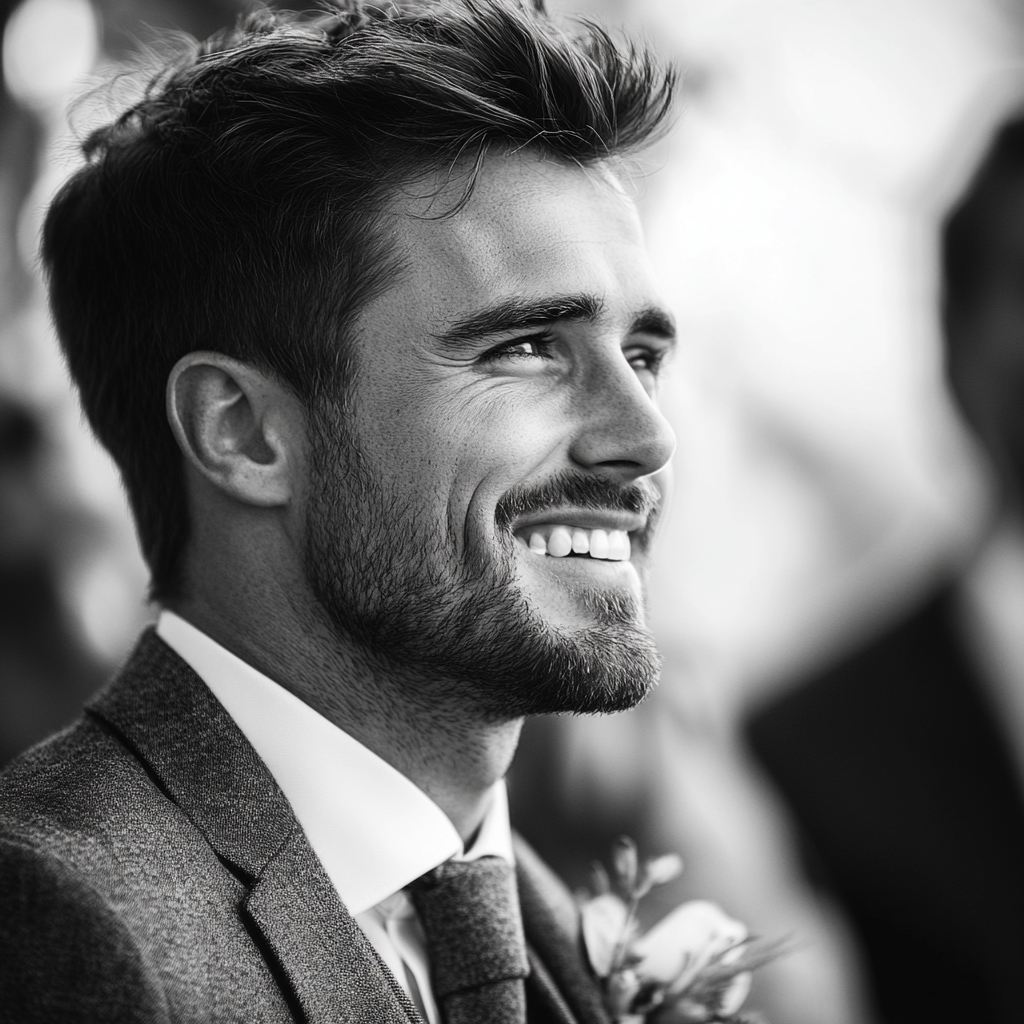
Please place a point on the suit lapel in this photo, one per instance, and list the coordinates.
(561, 977)
(334, 970)
(171, 721)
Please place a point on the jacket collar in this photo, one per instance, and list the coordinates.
(171, 721)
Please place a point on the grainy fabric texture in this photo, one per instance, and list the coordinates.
(151, 870)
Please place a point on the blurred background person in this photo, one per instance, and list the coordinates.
(904, 763)
(822, 482)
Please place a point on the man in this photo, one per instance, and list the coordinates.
(904, 762)
(361, 309)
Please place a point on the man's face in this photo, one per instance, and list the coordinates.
(502, 412)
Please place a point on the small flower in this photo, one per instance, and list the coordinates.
(686, 941)
(693, 967)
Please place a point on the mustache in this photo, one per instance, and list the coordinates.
(579, 490)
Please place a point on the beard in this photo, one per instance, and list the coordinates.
(460, 631)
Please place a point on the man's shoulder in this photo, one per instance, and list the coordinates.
(82, 815)
(87, 799)
(78, 783)
(65, 952)
(111, 897)
(68, 809)
(80, 790)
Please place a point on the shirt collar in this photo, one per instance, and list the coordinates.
(373, 829)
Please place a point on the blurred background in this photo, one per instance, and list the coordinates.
(798, 754)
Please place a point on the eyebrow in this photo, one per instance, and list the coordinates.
(654, 321)
(519, 314)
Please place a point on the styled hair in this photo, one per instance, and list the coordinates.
(236, 206)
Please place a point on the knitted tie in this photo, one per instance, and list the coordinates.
(470, 913)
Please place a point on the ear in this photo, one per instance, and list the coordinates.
(239, 428)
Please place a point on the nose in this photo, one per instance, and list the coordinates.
(622, 433)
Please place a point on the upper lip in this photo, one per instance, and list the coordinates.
(583, 519)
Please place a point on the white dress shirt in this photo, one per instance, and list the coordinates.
(373, 830)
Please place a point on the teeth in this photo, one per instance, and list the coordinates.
(618, 546)
(560, 541)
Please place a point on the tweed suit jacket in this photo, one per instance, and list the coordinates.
(152, 870)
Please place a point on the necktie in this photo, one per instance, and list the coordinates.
(470, 914)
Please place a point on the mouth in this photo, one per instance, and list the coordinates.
(589, 535)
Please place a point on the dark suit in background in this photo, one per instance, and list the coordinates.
(151, 870)
(903, 787)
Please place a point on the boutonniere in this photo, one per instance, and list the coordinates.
(693, 967)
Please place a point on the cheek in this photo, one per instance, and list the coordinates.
(508, 430)
(480, 423)
(502, 450)
(452, 450)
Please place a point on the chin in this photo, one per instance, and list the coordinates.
(606, 667)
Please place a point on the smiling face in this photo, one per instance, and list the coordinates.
(480, 512)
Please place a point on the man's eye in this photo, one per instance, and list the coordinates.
(534, 347)
(644, 359)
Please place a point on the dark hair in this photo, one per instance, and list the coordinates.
(234, 207)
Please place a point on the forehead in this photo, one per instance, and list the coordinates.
(532, 228)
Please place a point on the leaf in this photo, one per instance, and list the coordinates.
(721, 991)
(624, 861)
(604, 922)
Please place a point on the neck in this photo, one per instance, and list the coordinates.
(451, 754)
